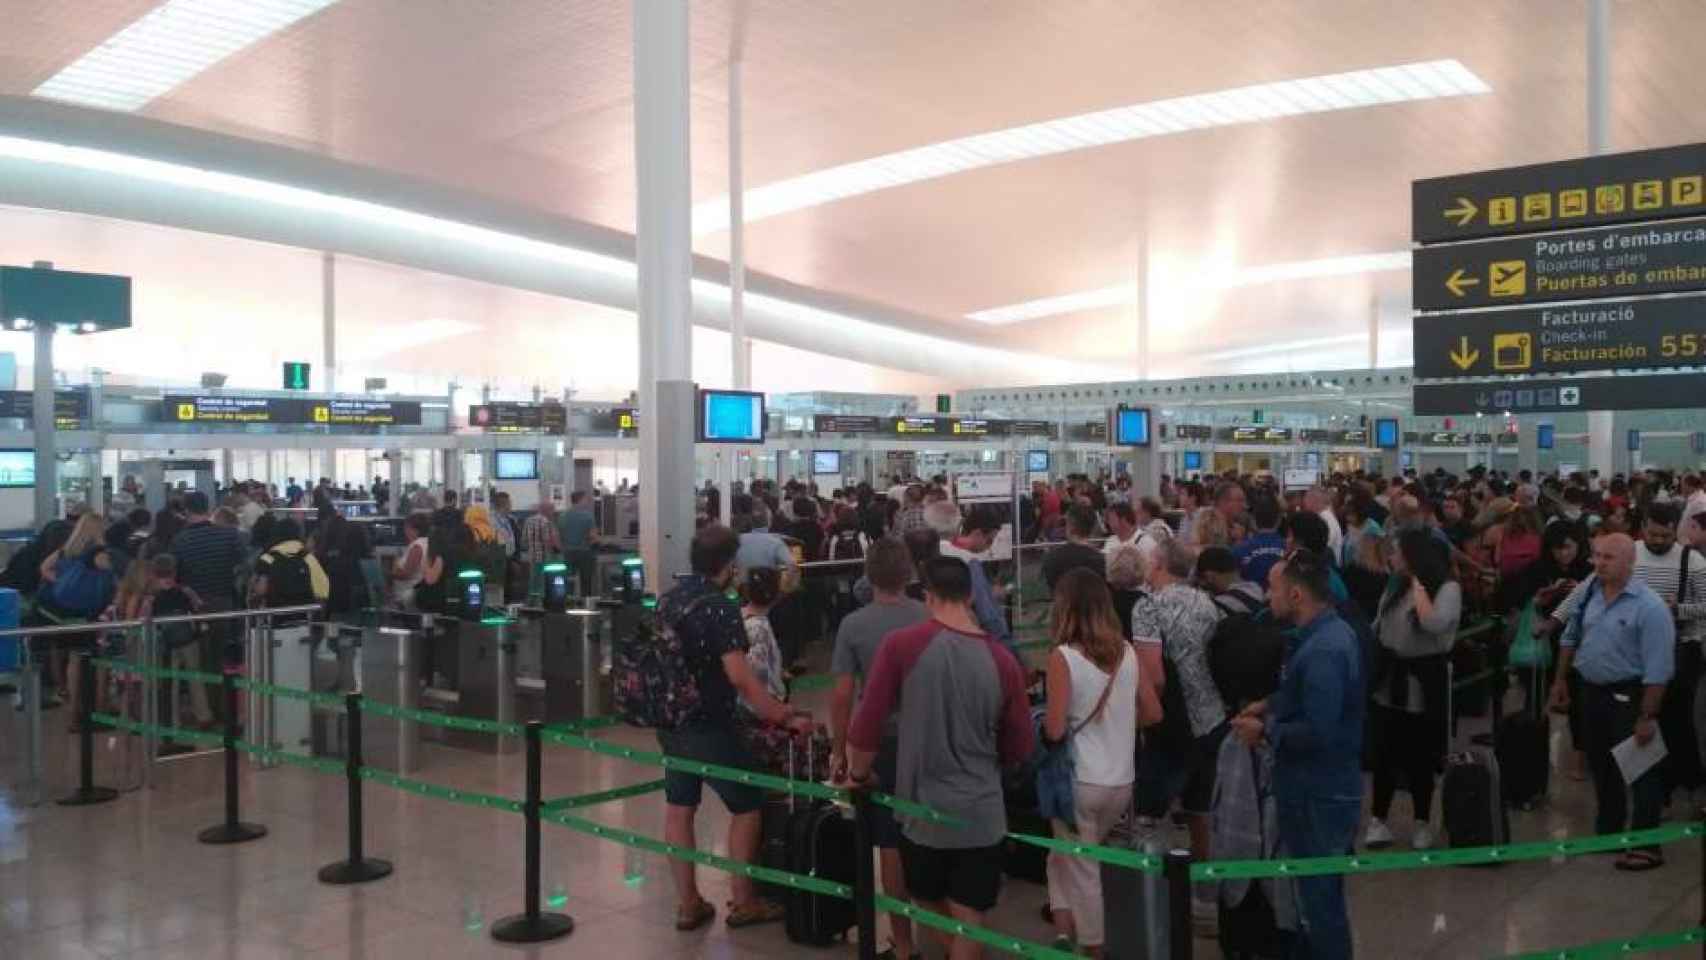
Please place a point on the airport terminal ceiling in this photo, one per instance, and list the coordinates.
(1271, 240)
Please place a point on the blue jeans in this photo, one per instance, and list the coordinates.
(1320, 826)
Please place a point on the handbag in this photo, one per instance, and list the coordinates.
(1055, 770)
(1526, 649)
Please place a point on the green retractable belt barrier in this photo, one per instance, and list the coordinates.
(603, 796)
(1619, 948)
(465, 797)
(435, 719)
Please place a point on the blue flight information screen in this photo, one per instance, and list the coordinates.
(1131, 428)
(731, 417)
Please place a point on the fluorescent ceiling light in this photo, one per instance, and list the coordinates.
(170, 44)
(266, 192)
(1264, 101)
(1126, 293)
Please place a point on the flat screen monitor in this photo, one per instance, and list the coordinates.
(1386, 434)
(1193, 461)
(1544, 436)
(516, 464)
(1036, 461)
(826, 463)
(731, 416)
(17, 468)
(1131, 427)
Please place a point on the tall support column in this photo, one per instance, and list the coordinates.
(1374, 332)
(1141, 305)
(665, 260)
(42, 426)
(1602, 424)
(740, 345)
(329, 321)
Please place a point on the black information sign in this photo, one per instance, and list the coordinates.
(1483, 438)
(516, 417)
(1555, 395)
(1355, 438)
(1315, 436)
(1023, 428)
(1258, 434)
(1627, 187)
(70, 407)
(918, 426)
(1193, 431)
(837, 423)
(1589, 265)
(1633, 334)
(1443, 439)
(1411, 436)
(622, 421)
(199, 408)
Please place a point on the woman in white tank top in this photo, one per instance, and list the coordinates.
(1093, 699)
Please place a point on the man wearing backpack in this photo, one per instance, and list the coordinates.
(705, 625)
(287, 574)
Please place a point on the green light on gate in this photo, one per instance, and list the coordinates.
(469, 575)
(554, 567)
(632, 561)
(649, 602)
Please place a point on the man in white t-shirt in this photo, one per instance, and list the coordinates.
(1316, 501)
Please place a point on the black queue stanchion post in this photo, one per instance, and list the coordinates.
(532, 926)
(358, 868)
(1180, 933)
(233, 830)
(864, 876)
(86, 794)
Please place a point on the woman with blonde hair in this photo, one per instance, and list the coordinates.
(1096, 703)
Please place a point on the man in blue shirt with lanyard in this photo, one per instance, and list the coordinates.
(1622, 641)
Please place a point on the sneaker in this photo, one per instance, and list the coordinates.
(1378, 834)
(1205, 918)
(1423, 838)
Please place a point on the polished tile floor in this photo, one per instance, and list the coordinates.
(129, 880)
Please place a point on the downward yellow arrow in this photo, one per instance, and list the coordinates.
(1463, 356)
(1459, 280)
(1463, 213)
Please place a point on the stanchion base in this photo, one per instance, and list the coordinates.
(232, 833)
(89, 796)
(522, 928)
(355, 871)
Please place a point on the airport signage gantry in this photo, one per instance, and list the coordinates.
(1618, 241)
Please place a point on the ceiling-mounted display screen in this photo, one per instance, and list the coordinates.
(1131, 427)
(826, 463)
(1386, 434)
(1036, 461)
(1193, 461)
(17, 468)
(515, 464)
(731, 416)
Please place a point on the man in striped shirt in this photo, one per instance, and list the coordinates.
(1660, 564)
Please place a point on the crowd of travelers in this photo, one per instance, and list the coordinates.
(1222, 654)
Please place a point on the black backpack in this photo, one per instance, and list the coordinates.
(846, 546)
(174, 603)
(289, 581)
(1245, 653)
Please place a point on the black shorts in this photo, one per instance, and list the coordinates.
(970, 877)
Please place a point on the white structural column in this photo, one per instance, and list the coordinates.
(740, 346)
(1602, 424)
(665, 259)
(329, 321)
(42, 425)
(1140, 304)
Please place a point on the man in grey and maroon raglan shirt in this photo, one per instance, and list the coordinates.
(960, 697)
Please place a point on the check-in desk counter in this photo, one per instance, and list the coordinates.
(564, 662)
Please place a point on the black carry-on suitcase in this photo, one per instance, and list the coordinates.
(820, 843)
(1471, 798)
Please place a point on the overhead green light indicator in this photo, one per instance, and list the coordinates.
(296, 375)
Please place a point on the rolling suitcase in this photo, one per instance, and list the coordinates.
(1471, 797)
(820, 844)
(1524, 751)
(1134, 902)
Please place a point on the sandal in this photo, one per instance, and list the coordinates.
(687, 921)
(1639, 861)
(755, 913)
